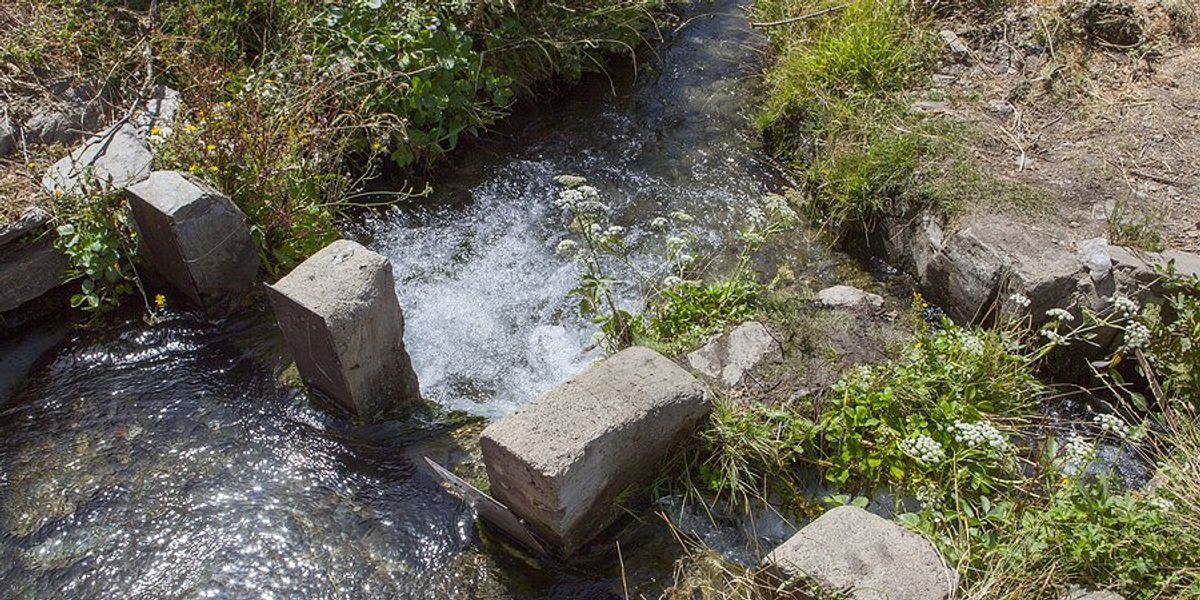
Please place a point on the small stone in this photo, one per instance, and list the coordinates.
(31, 220)
(1001, 107)
(954, 42)
(1094, 255)
(570, 181)
(342, 320)
(114, 159)
(932, 106)
(196, 237)
(844, 296)
(729, 358)
(8, 137)
(849, 550)
(1078, 593)
(561, 461)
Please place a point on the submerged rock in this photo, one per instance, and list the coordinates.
(561, 461)
(865, 556)
(730, 357)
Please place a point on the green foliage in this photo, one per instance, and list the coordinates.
(681, 317)
(1174, 348)
(96, 237)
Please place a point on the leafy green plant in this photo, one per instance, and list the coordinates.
(96, 237)
(1174, 339)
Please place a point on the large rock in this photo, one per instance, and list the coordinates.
(730, 357)
(196, 238)
(29, 272)
(114, 159)
(31, 220)
(340, 316)
(865, 556)
(560, 462)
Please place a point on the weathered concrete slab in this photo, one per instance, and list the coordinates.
(196, 238)
(113, 159)
(561, 461)
(730, 357)
(844, 296)
(29, 272)
(870, 558)
(339, 313)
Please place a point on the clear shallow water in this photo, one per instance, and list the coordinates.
(167, 462)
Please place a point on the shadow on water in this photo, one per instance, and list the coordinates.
(167, 461)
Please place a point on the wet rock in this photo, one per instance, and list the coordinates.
(340, 316)
(31, 220)
(844, 296)
(29, 272)
(196, 238)
(114, 159)
(561, 461)
(730, 357)
(870, 558)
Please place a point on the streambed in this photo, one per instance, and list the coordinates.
(168, 461)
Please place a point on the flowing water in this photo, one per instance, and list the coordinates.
(167, 461)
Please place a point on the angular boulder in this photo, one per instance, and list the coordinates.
(114, 159)
(196, 238)
(340, 316)
(561, 461)
(849, 550)
(29, 272)
(729, 358)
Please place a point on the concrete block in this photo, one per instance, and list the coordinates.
(340, 316)
(561, 461)
(870, 558)
(196, 238)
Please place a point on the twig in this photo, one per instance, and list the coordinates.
(1155, 388)
(806, 17)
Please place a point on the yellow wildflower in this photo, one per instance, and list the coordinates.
(160, 301)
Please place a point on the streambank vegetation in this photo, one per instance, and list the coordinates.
(288, 107)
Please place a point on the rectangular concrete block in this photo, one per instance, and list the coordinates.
(561, 461)
(849, 550)
(196, 238)
(340, 316)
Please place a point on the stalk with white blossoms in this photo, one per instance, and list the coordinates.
(924, 449)
(1112, 424)
(1078, 452)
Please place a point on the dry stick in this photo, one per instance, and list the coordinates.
(1155, 388)
(806, 17)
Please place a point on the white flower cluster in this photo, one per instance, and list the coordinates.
(1060, 314)
(1136, 336)
(779, 209)
(923, 448)
(585, 199)
(978, 434)
(672, 281)
(1125, 305)
(1112, 424)
(676, 244)
(658, 223)
(1078, 451)
(1020, 300)
(970, 342)
(1163, 505)
(568, 248)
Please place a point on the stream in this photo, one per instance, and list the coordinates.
(167, 461)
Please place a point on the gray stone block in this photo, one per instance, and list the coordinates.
(729, 358)
(114, 159)
(561, 461)
(196, 238)
(29, 272)
(870, 558)
(340, 316)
